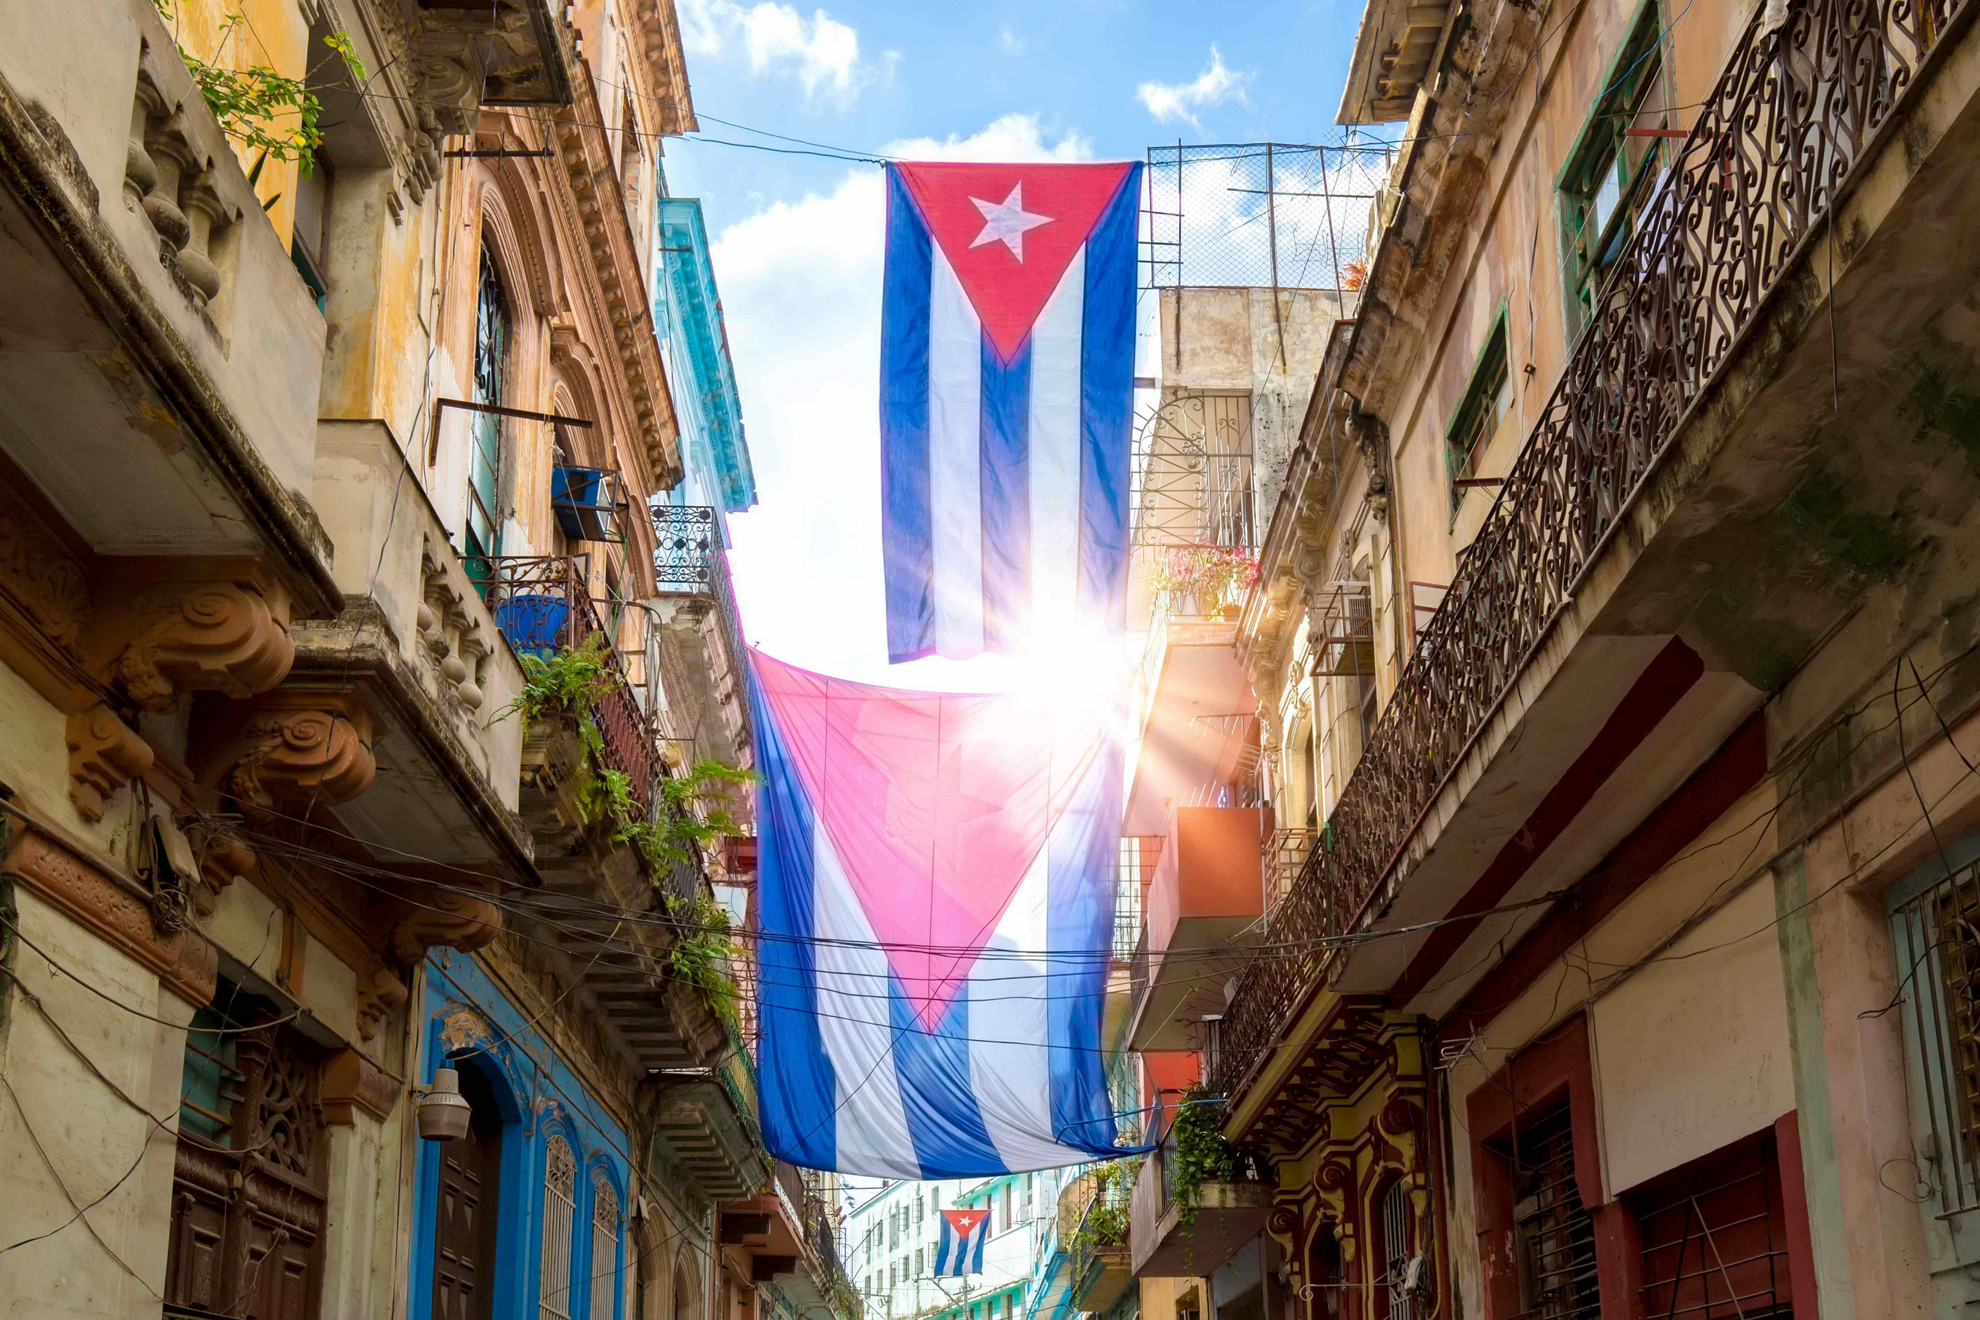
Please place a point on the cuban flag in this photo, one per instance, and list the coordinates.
(936, 895)
(1006, 401)
(963, 1234)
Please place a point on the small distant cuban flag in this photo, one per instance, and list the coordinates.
(1006, 400)
(963, 1234)
(935, 880)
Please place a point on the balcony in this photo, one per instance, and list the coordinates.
(543, 606)
(783, 1236)
(1660, 502)
(1098, 1246)
(1207, 891)
(1227, 1214)
(701, 641)
(159, 356)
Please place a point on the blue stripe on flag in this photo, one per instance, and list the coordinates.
(907, 537)
(1079, 916)
(1106, 406)
(950, 1139)
(1006, 498)
(793, 1062)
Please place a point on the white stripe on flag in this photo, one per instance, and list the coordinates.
(1055, 451)
(955, 460)
(853, 1020)
(1008, 1001)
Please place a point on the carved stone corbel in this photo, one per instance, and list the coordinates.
(446, 918)
(1371, 437)
(223, 859)
(226, 636)
(295, 745)
(351, 1082)
(104, 755)
(377, 996)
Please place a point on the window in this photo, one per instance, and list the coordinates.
(1607, 183)
(559, 1210)
(920, 1209)
(917, 1262)
(491, 347)
(1935, 946)
(1714, 1233)
(248, 1176)
(1399, 1251)
(604, 1247)
(893, 1230)
(1008, 1203)
(1553, 1231)
(313, 183)
(1030, 1191)
(1487, 400)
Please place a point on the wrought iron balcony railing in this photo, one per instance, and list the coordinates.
(1780, 136)
(543, 605)
(689, 561)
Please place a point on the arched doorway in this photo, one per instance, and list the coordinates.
(470, 1194)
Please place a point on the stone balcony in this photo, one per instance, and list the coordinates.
(159, 354)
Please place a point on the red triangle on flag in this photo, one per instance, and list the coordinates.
(1010, 231)
(962, 1221)
(936, 803)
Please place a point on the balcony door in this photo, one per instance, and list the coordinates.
(492, 333)
(470, 1186)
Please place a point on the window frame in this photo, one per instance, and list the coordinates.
(1464, 436)
(1599, 143)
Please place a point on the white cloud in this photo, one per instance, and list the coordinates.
(801, 295)
(820, 51)
(1217, 84)
(1008, 41)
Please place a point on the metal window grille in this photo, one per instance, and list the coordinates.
(1398, 1247)
(559, 1210)
(604, 1247)
(1715, 1239)
(1937, 943)
(1553, 1229)
(1192, 473)
(1258, 215)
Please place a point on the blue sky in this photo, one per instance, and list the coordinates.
(797, 238)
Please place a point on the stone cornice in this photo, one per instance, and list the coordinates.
(584, 150)
(658, 29)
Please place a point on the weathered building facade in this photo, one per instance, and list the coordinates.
(333, 737)
(1612, 637)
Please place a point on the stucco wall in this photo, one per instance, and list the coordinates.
(1713, 1008)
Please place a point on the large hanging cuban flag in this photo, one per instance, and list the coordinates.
(960, 1250)
(1006, 399)
(935, 878)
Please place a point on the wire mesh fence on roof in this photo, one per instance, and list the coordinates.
(1260, 214)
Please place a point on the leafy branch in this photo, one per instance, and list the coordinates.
(1201, 1153)
(254, 104)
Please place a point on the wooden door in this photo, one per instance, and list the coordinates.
(464, 1240)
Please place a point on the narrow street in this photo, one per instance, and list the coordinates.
(1126, 661)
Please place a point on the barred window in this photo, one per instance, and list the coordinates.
(559, 1210)
(1553, 1229)
(1935, 939)
(1715, 1237)
(604, 1247)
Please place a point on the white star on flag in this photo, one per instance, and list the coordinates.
(1007, 220)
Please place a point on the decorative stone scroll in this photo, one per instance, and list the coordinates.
(104, 755)
(445, 918)
(297, 746)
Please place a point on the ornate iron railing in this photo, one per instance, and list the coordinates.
(542, 605)
(1773, 145)
(688, 559)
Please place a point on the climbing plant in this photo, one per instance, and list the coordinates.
(1199, 1153)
